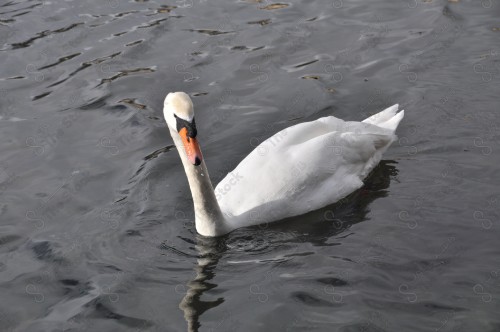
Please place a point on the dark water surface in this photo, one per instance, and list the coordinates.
(97, 231)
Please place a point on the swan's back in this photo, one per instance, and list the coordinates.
(305, 167)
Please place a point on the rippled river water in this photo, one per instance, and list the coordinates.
(97, 232)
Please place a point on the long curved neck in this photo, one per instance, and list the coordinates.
(208, 216)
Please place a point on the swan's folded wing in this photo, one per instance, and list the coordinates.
(364, 144)
(364, 150)
(303, 168)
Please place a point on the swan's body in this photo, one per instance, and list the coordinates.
(300, 169)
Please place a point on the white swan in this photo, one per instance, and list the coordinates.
(301, 168)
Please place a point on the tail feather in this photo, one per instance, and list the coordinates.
(383, 116)
(388, 118)
(393, 122)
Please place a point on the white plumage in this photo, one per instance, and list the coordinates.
(305, 167)
(299, 169)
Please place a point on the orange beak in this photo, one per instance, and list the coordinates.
(191, 147)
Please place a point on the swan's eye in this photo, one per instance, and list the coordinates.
(190, 126)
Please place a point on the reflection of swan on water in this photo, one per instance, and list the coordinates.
(209, 252)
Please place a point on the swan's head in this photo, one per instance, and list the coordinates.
(179, 115)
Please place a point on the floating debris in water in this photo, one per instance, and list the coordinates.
(310, 77)
(275, 6)
(131, 101)
(165, 9)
